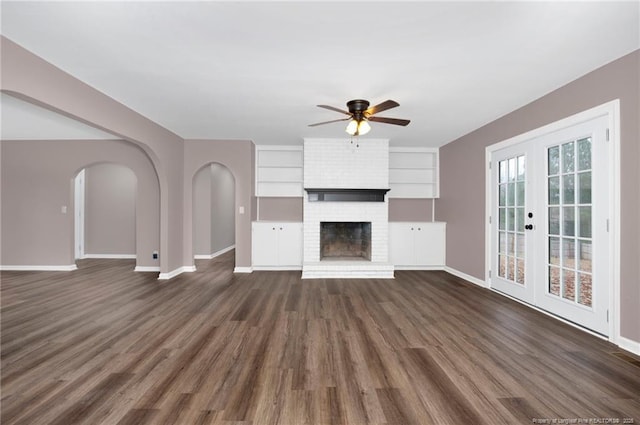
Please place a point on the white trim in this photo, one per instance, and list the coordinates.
(614, 234)
(466, 277)
(276, 268)
(408, 149)
(612, 111)
(426, 268)
(78, 214)
(176, 272)
(111, 256)
(629, 345)
(214, 255)
(243, 270)
(147, 269)
(68, 268)
(546, 313)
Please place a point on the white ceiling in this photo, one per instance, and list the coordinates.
(256, 70)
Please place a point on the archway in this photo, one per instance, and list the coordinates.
(213, 211)
(105, 211)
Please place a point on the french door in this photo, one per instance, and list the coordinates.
(549, 242)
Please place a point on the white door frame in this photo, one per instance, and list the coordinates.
(612, 111)
(78, 240)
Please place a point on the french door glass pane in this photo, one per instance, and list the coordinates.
(584, 154)
(585, 292)
(554, 220)
(502, 195)
(584, 228)
(568, 189)
(554, 160)
(568, 158)
(584, 252)
(520, 219)
(554, 251)
(568, 284)
(511, 194)
(554, 190)
(511, 217)
(584, 188)
(569, 221)
(554, 281)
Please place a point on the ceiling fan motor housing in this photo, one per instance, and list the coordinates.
(357, 108)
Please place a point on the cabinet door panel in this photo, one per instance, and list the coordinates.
(264, 248)
(290, 244)
(401, 244)
(430, 240)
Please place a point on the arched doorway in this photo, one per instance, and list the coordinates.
(213, 211)
(105, 211)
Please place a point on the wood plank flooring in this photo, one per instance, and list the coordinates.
(105, 345)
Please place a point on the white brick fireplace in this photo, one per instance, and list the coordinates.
(340, 164)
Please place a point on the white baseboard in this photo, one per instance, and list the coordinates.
(427, 268)
(111, 256)
(243, 270)
(215, 254)
(629, 345)
(276, 268)
(147, 269)
(68, 268)
(466, 277)
(176, 272)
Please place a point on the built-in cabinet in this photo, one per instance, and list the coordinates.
(276, 245)
(417, 244)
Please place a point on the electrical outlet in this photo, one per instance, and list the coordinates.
(155, 255)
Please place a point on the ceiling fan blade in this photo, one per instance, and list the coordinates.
(327, 122)
(387, 104)
(331, 108)
(384, 120)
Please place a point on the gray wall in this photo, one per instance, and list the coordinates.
(37, 180)
(202, 212)
(110, 210)
(222, 208)
(462, 165)
(213, 210)
(30, 78)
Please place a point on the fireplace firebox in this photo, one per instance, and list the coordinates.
(350, 241)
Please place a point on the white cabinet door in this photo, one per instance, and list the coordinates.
(276, 244)
(430, 244)
(401, 244)
(418, 244)
(290, 244)
(264, 244)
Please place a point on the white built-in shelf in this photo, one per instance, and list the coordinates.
(413, 173)
(279, 171)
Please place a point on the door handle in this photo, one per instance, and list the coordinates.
(528, 227)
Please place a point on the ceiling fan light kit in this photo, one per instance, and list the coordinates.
(359, 115)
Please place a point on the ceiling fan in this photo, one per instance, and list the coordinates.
(360, 113)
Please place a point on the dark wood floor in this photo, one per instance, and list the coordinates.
(105, 345)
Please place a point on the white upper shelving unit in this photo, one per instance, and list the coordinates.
(413, 172)
(279, 171)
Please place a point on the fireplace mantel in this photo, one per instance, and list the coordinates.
(346, 195)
